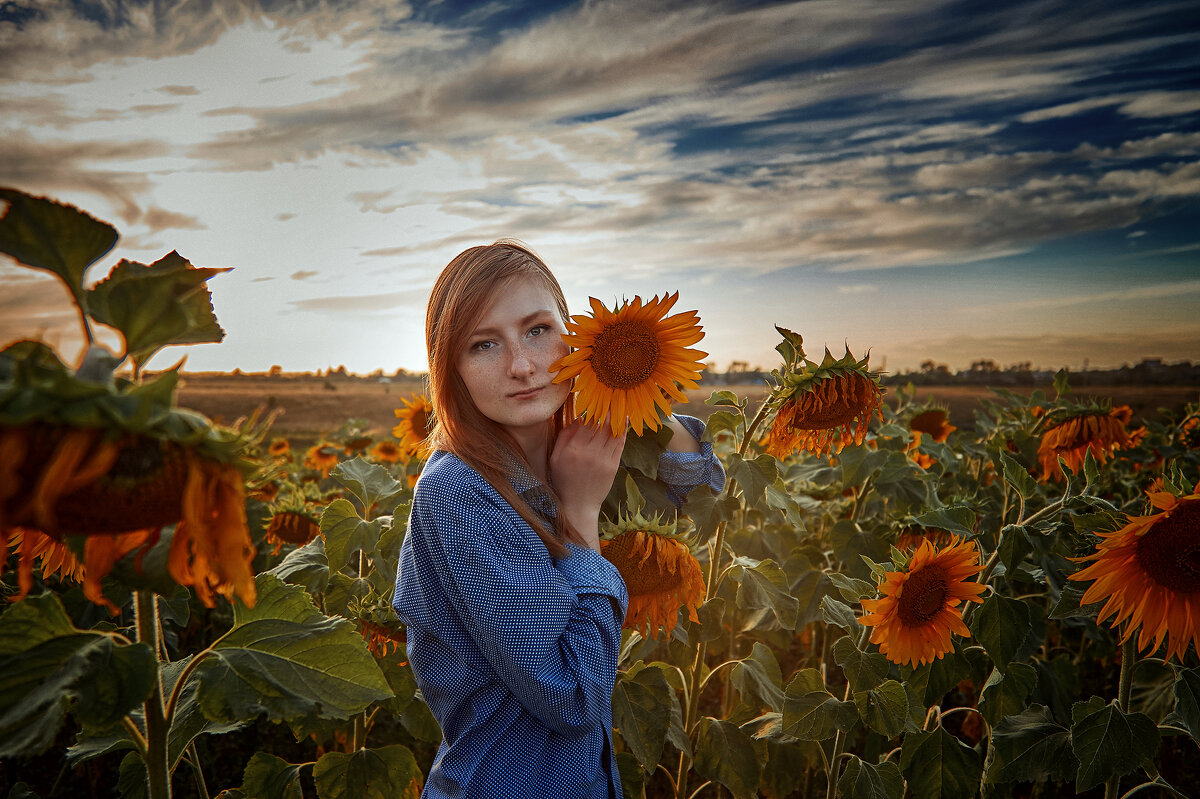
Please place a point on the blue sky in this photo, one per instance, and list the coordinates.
(1016, 181)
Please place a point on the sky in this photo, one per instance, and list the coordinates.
(920, 180)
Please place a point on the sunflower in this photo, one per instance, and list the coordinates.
(381, 640)
(1149, 573)
(387, 452)
(824, 407)
(292, 526)
(934, 423)
(322, 458)
(280, 448)
(660, 572)
(631, 361)
(415, 425)
(120, 491)
(55, 557)
(1096, 431)
(919, 609)
(357, 444)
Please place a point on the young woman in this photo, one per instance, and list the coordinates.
(513, 617)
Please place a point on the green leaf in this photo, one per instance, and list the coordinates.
(712, 618)
(420, 723)
(1014, 546)
(369, 482)
(958, 519)
(58, 238)
(753, 475)
(811, 713)
(758, 677)
(305, 566)
(641, 713)
(860, 463)
(1004, 693)
(643, 452)
(864, 670)
(722, 421)
(1108, 741)
(1068, 607)
(47, 666)
(633, 778)
(724, 397)
(1187, 700)
(346, 532)
(288, 660)
(883, 708)
(933, 680)
(387, 773)
(1031, 746)
(861, 780)
(155, 306)
(792, 346)
(1001, 626)
(1017, 475)
(938, 766)
(852, 589)
(765, 585)
(131, 777)
(725, 754)
(839, 614)
(851, 543)
(269, 777)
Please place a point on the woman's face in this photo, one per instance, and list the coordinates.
(506, 362)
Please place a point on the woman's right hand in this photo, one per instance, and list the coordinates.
(582, 467)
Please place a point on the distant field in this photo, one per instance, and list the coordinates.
(310, 406)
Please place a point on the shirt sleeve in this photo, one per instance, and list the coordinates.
(684, 471)
(550, 630)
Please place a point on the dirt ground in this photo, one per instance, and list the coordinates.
(310, 406)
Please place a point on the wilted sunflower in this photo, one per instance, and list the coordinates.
(387, 452)
(56, 559)
(825, 407)
(120, 491)
(322, 458)
(292, 526)
(1149, 572)
(1100, 432)
(381, 640)
(415, 425)
(632, 361)
(357, 444)
(919, 607)
(934, 423)
(280, 447)
(659, 571)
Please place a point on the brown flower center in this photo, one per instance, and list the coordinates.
(1170, 550)
(923, 596)
(624, 354)
(649, 577)
(420, 424)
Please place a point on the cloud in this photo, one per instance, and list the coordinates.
(1126, 295)
(365, 303)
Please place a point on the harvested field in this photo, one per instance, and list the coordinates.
(309, 406)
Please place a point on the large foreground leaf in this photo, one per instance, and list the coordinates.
(861, 780)
(48, 666)
(938, 766)
(288, 660)
(725, 754)
(53, 236)
(642, 713)
(387, 773)
(811, 713)
(1031, 746)
(1108, 741)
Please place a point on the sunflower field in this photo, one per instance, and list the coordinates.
(879, 604)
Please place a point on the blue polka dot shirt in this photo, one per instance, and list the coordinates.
(515, 653)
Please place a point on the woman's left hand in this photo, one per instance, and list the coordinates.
(582, 467)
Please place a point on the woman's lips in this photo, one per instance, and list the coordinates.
(526, 394)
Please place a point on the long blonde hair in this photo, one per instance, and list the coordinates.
(459, 297)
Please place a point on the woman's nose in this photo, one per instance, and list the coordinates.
(520, 365)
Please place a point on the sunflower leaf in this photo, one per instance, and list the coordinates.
(863, 670)
(1005, 693)
(811, 713)
(720, 422)
(641, 713)
(370, 483)
(1001, 626)
(765, 586)
(287, 660)
(883, 708)
(346, 532)
(56, 237)
(958, 519)
(48, 666)
(389, 771)
(1187, 700)
(753, 475)
(1031, 746)
(1109, 741)
(155, 306)
(939, 766)
(1017, 475)
(725, 754)
(633, 776)
(306, 566)
(271, 777)
(861, 780)
(758, 677)
(839, 614)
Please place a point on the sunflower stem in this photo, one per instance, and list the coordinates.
(1112, 788)
(839, 740)
(158, 767)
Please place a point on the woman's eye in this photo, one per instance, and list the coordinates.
(538, 330)
(480, 346)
